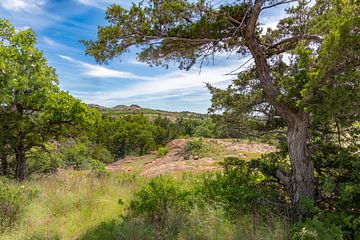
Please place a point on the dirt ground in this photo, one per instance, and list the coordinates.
(173, 161)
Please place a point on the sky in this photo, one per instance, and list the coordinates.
(60, 24)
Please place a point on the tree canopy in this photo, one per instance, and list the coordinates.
(33, 108)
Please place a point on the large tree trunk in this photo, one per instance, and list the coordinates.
(301, 183)
(20, 165)
(4, 165)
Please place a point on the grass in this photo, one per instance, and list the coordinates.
(80, 205)
(137, 165)
(201, 222)
(70, 203)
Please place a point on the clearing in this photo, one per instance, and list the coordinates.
(150, 165)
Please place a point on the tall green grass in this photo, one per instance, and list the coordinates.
(70, 203)
(81, 205)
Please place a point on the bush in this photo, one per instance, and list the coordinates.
(43, 161)
(189, 209)
(156, 199)
(195, 147)
(206, 129)
(75, 155)
(162, 151)
(314, 229)
(12, 200)
(100, 153)
(239, 189)
(98, 168)
(84, 155)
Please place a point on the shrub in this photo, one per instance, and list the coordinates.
(12, 200)
(206, 129)
(239, 189)
(155, 199)
(101, 154)
(314, 229)
(84, 155)
(75, 155)
(41, 161)
(98, 168)
(195, 147)
(162, 151)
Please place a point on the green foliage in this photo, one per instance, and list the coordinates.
(121, 229)
(206, 207)
(75, 155)
(339, 186)
(98, 167)
(127, 135)
(43, 236)
(195, 147)
(101, 154)
(33, 108)
(162, 151)
(239, 189)
(159, 196)
(207, 129)
(313, 229)
(43, 162)
(13, 199)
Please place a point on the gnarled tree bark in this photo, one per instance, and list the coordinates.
(300, 183)
(4, 165)
(20, 165)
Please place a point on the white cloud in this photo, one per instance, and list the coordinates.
(51, 43)
(30, 6)
(176, 84)
(48, 43)
(102, 4)
(97, 71)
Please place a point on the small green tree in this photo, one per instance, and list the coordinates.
(33, 108)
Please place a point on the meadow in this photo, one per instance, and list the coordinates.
(82, 205)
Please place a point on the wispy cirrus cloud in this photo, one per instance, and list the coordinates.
(103, 4)
(23, 5)
(97, 71)
(179, 85)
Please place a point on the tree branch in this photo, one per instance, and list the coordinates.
(284, 180)
(315, 38)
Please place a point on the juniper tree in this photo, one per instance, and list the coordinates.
(284, 76)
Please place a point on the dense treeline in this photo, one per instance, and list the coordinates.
(105, 140)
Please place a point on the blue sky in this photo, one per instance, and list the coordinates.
(60, 24)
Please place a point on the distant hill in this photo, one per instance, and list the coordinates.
(121, 110)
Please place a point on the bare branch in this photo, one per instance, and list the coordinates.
(232, 72)
(290, 43)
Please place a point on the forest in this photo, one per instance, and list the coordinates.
(277, 156)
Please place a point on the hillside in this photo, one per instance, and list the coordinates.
(121, 110)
